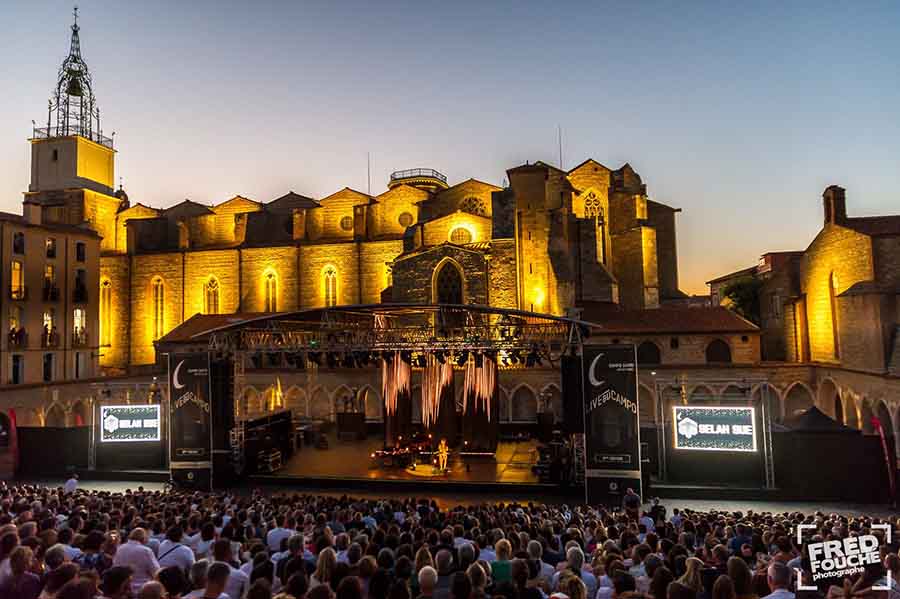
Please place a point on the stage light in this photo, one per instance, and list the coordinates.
(462, 357)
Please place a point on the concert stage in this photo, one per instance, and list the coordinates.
(349, 464)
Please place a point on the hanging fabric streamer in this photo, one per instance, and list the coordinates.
(436, 377)
(480, 383)
(395, 377)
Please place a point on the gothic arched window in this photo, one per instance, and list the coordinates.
(448, 285)
(158, 296)
(105, 311)
(211, 296)
(271, 283)
(718, 352)
(330, 285)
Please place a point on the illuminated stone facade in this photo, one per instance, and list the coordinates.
(548, 242)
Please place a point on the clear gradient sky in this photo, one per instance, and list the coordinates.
(738, 113)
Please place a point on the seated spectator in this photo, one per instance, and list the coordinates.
(778, 576)
(138, 557)
(21, 582)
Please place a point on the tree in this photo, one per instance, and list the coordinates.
(743, 297)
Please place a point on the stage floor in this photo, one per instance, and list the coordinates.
(351, 460)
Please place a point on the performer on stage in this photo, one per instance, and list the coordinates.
(443, 451)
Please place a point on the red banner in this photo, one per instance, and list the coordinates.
(890, 463)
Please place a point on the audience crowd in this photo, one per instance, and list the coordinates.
(65, 543)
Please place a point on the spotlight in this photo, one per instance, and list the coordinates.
(462, 357)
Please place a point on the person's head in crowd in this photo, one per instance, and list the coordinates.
(741, 577)
(138, 535)
(444, 562)
(662, 577)
(216, 578)
(676, 590)
(174, 581)
(519, 573)
(477, 577)
(379, 584)
(323, 591)
(55, 556)
(59, 576)
(692, 574)
(197, 574)
(460, 586)
(573, 587)
(723, 588)
(623, 582)
(117, 582)
(400, 590)
(423, 558)
(78, 588)
(8, 541)
(152, 590)
(260, 589)
(349, 588)
(221, 550)
(503, 550)
(297, 585)
(778, 575)
(427, 580)
(20, 560)
(575, 558)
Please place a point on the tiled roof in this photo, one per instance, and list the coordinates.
(291, 200)
(738, 273)
(874, 225)
(610, 318)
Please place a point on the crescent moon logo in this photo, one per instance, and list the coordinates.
(175, 382)
(592, 377)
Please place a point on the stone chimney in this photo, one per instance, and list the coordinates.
(835, 204)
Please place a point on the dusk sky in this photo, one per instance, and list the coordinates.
(738, 113)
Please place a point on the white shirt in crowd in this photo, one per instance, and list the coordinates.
(237, 584)
(140, 559)
(175, 554)
(71, 486)
(275, 536)
(780, 594)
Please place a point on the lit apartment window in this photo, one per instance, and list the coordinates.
(51, 247)
(17, 280)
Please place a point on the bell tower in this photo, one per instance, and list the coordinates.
(72, 161)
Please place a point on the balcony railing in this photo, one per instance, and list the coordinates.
(51, 293)
(18, 292)
(79, 338)
(419, 172)
(50, 339)
(51, 132)
(17, 338)
(80, 294)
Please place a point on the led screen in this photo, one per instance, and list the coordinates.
(715, 428)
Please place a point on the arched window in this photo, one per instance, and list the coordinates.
(461, 236)
(105, 311)
(448, 285)
(648, 354)
(158, 296)
(718, 352)
(271, 283)
(330, 285)
(832, 294)
(211, 296)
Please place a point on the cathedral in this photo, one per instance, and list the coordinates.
(545, 243)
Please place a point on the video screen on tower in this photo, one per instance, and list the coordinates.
(715, 428)
(129, 423)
